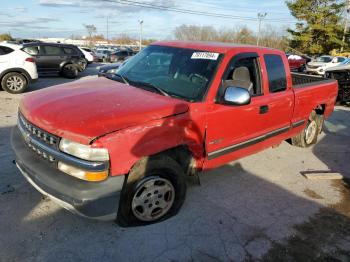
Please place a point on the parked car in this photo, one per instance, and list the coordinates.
(321, 63)
(17, 68)
(120, 56)
(108, 70)
(57, 59)
(89, 55)
(342, 74)
(103, 54)
(296, 62)
(122, 149)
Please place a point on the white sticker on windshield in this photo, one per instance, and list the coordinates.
(205, 55)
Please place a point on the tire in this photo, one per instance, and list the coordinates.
(320, 122)
(309, 135)
(155, 190)
(70, 71)
(84, 65)
(14, 83)
(301, 69)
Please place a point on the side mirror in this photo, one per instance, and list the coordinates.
(237, 96)
(335, 60)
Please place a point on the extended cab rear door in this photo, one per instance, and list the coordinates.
(279, 93)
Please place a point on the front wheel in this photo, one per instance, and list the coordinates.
(155, 190)
(14, 83)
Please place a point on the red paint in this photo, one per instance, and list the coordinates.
(133, 123)
(296, 64)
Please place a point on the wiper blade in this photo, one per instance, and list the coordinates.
(158, 89)
(125, 80)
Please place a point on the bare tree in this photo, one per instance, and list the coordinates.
(91, 29)
(270, 36)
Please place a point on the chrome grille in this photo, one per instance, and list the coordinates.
(39, 133)
(39, 137)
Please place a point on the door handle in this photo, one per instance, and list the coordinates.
(264, 109)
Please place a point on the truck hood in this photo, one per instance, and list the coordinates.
(318, 64)
(83, 110)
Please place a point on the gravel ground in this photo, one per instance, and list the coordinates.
(257, 208)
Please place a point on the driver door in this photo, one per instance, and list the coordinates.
(236, 130)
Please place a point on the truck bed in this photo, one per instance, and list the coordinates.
(302, 80)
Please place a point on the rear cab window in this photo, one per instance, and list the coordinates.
(276, 73)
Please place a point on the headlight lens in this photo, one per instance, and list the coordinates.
(112, 71)
(83, 151)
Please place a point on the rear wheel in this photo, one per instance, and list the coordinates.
(14, 83)
(155, 190)
(70, 71)
(84, 64)
(309, 135)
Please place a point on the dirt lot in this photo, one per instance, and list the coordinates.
(257, 208)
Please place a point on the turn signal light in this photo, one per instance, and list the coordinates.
(82, 174)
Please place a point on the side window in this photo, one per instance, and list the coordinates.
(341, 59)
(31, 50)
(276, 73)
(244, 73)
(69, 51)
(4, 50)
(52, 50)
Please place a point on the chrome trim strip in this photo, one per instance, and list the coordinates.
(298, 123)
(247, 143)
(80, 163)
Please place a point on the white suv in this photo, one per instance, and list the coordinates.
(17, 68)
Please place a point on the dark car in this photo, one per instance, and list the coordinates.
(57, 59)
(120, 55)
(342, 74)
(108, 70)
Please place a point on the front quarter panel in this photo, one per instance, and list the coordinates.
(129, 145)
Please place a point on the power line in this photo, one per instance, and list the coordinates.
(188, 11)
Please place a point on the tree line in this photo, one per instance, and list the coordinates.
(319, 29)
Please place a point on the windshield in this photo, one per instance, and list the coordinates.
(345, 62)
(324, 59)
(179, 72)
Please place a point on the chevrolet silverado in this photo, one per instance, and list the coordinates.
(121, 148)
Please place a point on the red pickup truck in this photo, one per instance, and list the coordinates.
(121, 148)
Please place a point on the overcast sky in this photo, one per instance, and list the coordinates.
(62, 18)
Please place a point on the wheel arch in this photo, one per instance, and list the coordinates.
(16, 70)
(181, 154)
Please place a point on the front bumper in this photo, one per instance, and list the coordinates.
(317, 70)
(96, 200)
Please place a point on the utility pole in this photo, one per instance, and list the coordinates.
(261, 17)
(107, 34)
(141, 23)
(346, 25)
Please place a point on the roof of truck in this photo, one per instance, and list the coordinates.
(208, 46)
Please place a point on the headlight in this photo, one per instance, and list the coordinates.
(112, 71)
(83, 151)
